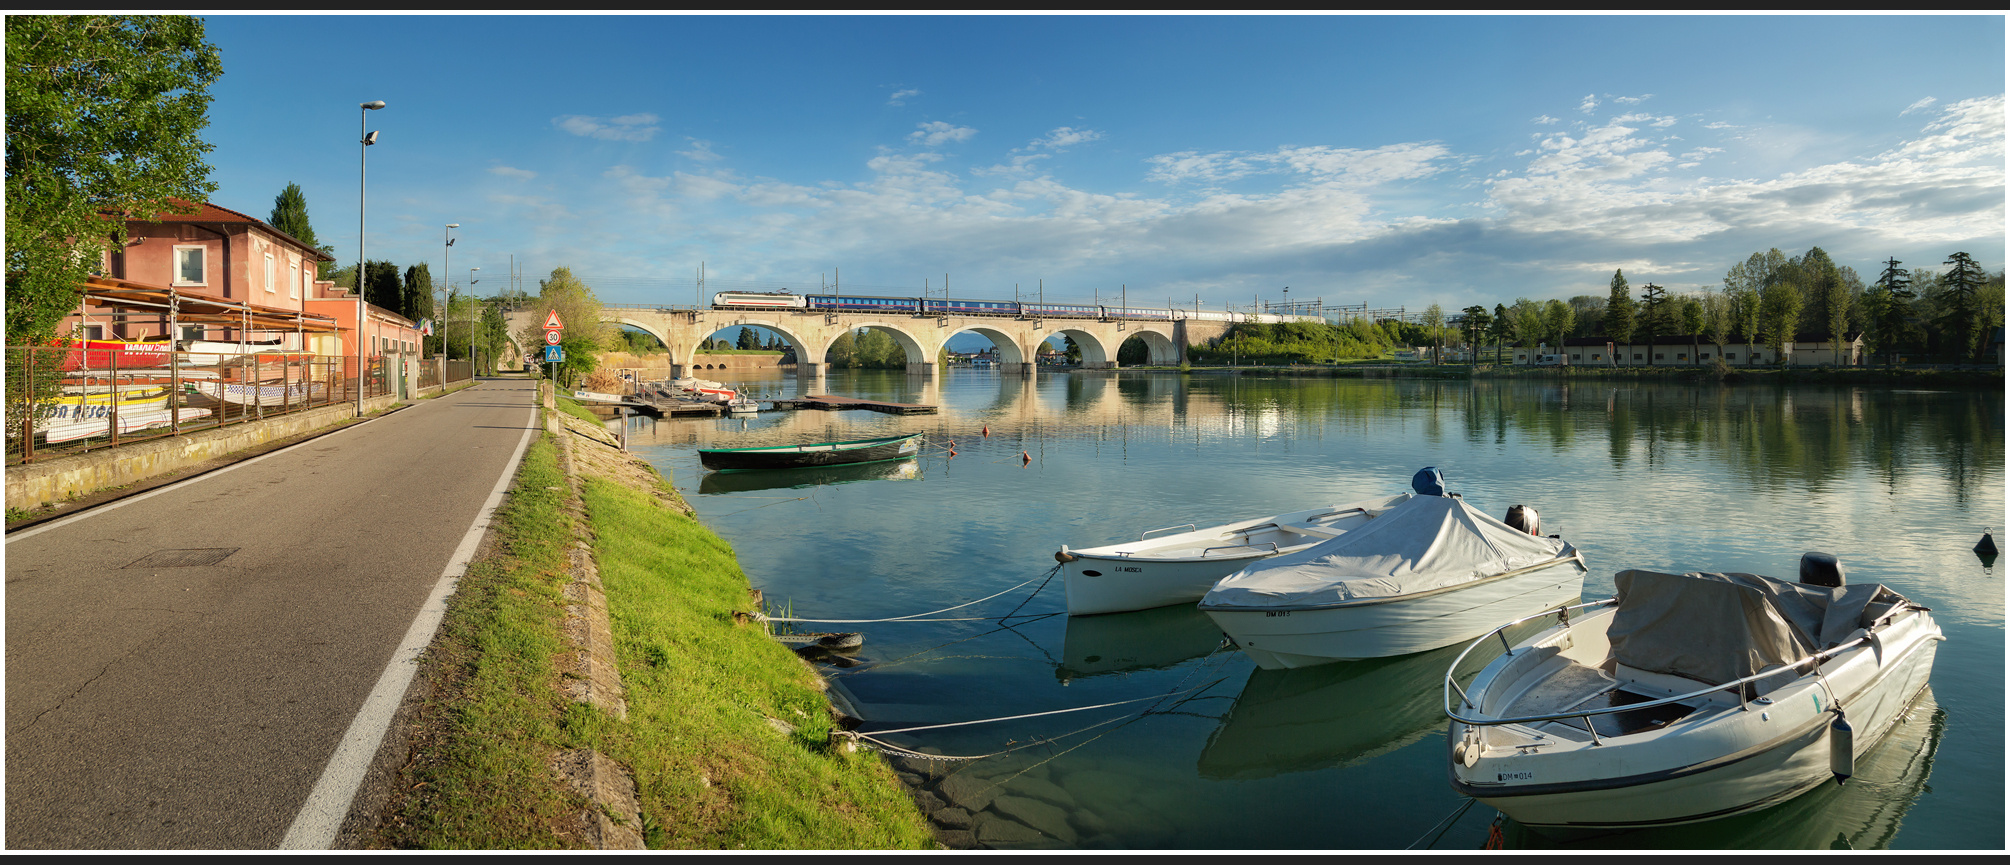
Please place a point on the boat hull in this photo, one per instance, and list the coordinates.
(1174, 569)
(1723, 760)
(267, 395)
(804, 456)
(1283, 638)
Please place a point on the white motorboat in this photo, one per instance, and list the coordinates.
(702, 390)
(1180, 568)
(1429, 572)
(267, 395)
(742, 405)
(1689, 697)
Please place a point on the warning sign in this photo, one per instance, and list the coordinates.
(551, 321)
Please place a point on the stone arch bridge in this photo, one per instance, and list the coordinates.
(811, 333)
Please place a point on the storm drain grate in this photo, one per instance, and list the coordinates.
(184, 558)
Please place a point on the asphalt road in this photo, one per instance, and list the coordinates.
(164, 707)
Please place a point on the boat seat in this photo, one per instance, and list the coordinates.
(1569, 687)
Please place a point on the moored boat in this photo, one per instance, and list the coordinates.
(1689, 697)
(815, 454)
(268, 395)
(1179, 568)
(1429, 572)
(105, 353)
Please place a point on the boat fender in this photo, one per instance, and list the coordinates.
(1842, 748)
(1063, 556)
(1821, 569)
(1523, 518)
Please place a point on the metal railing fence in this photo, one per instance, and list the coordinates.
(65, 399)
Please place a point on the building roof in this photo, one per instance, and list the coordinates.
(206, 212)
(126, 295)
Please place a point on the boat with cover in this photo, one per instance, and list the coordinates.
(1179, 568)
(1689, 697)
(268, 395)
(701, 390)
(87, 415)
(816, 454)
(1429, 572)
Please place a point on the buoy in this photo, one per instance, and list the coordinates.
(952, 452)
(1025, 457)
(987, 430)
(1842, 749)
(1986, 550)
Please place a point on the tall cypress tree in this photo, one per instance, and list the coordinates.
(1619, 311)
(1964, 311)
(289, 214)
(1653, 315)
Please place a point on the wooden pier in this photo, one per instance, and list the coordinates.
(822, 402)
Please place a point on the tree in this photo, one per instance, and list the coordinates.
(1694, 321)
(289, 214)
(1653, 315)
(1741, 300)
(104, 115)
(1717, 320)
(1557, 317)
(1960, 286)
(1528, 322)
(1502, 329)
(579, 311)
(1589, 312)
(746, 339)
(1476, 325)
(383, 287)
(1619, 312)
(1434, 320)
(416, 293)
(1779, 314)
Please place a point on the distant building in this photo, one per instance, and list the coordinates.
(1807, 350)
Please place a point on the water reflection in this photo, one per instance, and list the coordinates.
(1864, 814)
(1129, 642)
(719, 483)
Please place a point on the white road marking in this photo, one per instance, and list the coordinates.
(320, 818)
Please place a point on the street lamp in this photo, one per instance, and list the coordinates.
(471, 324)
(362, 160)
(446, 276)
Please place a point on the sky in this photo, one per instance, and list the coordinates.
(1386, 161)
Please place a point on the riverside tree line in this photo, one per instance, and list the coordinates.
(1946, 315)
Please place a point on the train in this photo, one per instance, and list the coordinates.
(1002, 308)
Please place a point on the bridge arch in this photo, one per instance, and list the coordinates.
(1094, 354)
(1009, 350)
(919, 350)
(1159, 346)
(796, 337)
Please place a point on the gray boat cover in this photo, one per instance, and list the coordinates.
(1718, 628)
(1428, 542)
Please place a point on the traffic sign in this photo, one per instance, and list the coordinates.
(551, 337)
(554, 354)
(551, 321)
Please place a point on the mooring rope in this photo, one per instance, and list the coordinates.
(917, 616)
(867, 738)
(1443, 826)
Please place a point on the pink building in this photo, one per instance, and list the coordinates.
(218, 253)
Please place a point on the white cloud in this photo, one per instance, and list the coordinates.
(1590, 102)
(1545, 120)
(1065, 136)
(1632, 100)
(700, 150)
(935, 132)
(1918, 106)
(1317, 163)
(900, 97)
(506, 171)
(628, 127)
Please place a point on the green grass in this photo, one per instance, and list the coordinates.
(711, 769)
(573, 408)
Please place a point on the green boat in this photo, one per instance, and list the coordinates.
(818, 454)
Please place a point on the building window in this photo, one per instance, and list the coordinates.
(293, 290)
(1683, 356)
(1577, 357)
(271, 274)
(1660, 356)
(1703, 356)
(189, 263)
(1636, 355)
(94, 331)
(307, 280)
(194, 331)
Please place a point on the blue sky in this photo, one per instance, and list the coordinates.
(1391, 161)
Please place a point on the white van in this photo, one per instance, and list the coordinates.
(1551, 360)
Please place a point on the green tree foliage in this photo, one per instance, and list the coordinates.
(1619, 310)
(1434, 325)
(585, 335)
(1297, 342)
(745, 341)
(1070, 350)
(1476, 325)
(104, 115)
(416, 293)
(1779, 314)
(384, 287)
(289, 214)
(1690, 315)
(1502, 329)
(1529, 326)
(1557, 318)
(1963, 321)
(1654, 316)
(1587, 314)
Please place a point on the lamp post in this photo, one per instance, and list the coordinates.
(446, 276)
(471, 324)
(362, 160)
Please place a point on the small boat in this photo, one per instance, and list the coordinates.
(100, 353)
(267, 395)
(202, 352)
(723, 483)
(742, 405)
(88, 415)
(1179, 568)
(1689, 697)
(1429, 572)
(701, 390)
(817, 454)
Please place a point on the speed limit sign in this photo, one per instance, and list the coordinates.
(551, 337)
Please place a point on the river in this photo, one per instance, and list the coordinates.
(1213, 753)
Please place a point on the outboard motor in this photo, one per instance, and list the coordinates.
(1428, 482)
(1821, 569)
(1523, 518)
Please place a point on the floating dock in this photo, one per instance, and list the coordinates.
(823, 402)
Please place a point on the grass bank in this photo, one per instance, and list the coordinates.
(726, 730)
